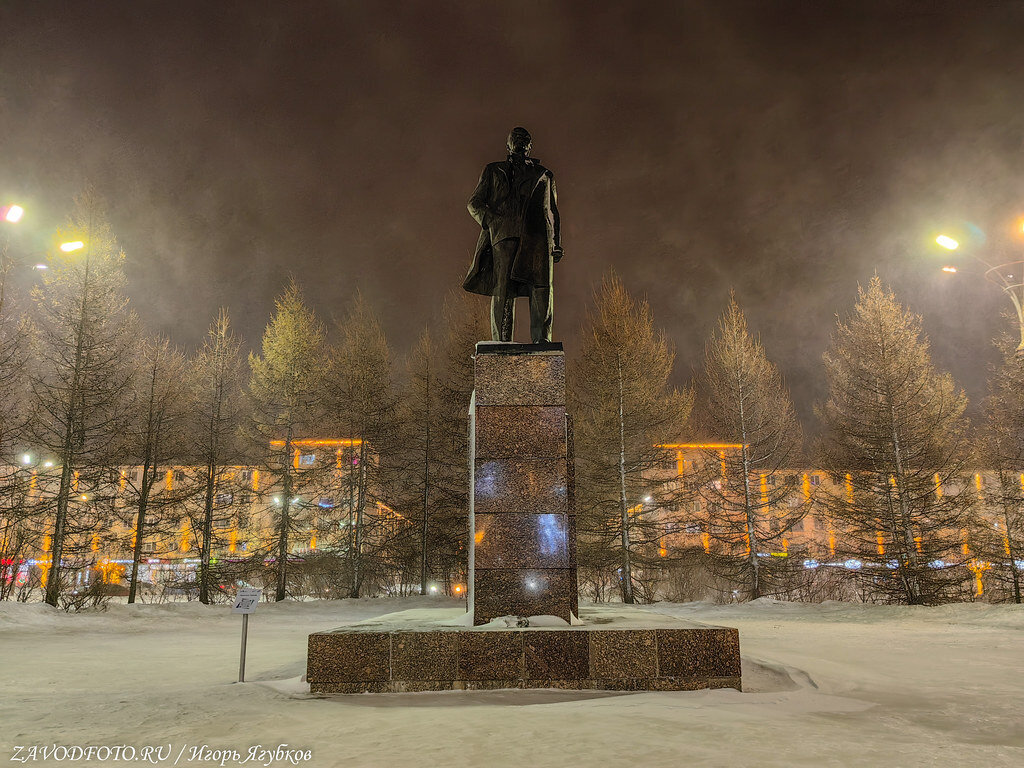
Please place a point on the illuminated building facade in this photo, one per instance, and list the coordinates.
(328, 488)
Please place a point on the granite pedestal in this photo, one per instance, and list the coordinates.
(618, 648)
(522, 571)
(522, 555)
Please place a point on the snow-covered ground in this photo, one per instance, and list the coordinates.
(826, 685)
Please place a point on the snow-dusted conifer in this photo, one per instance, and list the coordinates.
(80, 383)
(744, 401)
(623, 409)
(286, 392)
(896, 427)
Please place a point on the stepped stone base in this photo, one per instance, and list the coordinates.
(394, 654)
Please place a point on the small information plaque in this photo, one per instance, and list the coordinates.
(246, 600)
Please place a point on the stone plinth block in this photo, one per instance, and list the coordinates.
(522, 592)
(521, 486)
(495, 656)
(533, 378)
(355, 658)
(620, 649)
(521, 541)
(557, 655)
(627, 654)
(423, 656)
(520, 431)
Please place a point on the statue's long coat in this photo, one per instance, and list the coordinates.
(514, 204)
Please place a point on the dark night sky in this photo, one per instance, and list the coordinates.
(788, 150)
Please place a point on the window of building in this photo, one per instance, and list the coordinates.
(245, 498)
(179, 474)
(693, 528)
(307, 459)
(223, 499)
(149, 547)
(245, 475)
(815, 480)
(326, 502)
(770, 480)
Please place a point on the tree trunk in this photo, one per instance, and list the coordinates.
(144, 487)
(59, 525)
(67, 454)
(282, 534)
(749, 512)
(357, 565)
(911, 567)
(1011, 554)
(627, 565)
(426, 484)
(206, 535)
(751, 519)
(426, 506)
(140, 525)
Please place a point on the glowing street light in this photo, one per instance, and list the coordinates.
(1002, 275)
(74, 245)
(40, 266)
(13, 213)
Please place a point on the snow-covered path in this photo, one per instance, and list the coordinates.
(826, 685)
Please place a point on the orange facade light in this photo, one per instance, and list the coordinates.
(316, 443)
(703, 446)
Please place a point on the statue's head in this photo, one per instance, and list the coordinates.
(520, 141)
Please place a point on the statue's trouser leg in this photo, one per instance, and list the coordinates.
(541, 311)
(503, 300)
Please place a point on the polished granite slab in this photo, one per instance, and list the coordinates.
(523, 592)
(522, 538)
(624, 648)
(520, 431)
(521, 486)
(520, 379)
(522, 541)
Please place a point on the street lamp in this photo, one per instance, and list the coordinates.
(12, 213)
(1009, 276)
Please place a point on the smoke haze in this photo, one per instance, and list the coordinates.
(788, 150)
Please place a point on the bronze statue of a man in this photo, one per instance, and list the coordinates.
(514, 203)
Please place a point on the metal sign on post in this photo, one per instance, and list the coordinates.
(245, 603)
